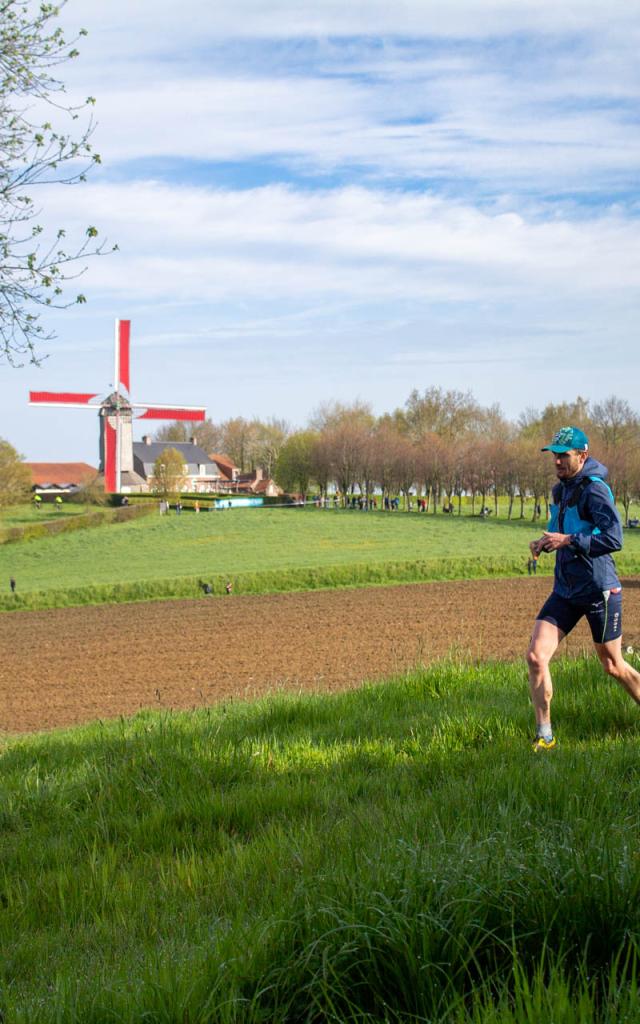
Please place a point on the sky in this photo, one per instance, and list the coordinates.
(318, 201)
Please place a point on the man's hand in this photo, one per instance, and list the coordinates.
(535, 546)
(553, 541)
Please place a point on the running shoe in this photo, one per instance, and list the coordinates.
(541, 744)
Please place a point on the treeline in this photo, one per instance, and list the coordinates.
(442, 445)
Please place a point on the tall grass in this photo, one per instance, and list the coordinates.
(395, 853)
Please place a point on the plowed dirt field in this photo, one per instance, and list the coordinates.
(74, 665)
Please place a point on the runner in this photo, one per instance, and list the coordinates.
(583, 530)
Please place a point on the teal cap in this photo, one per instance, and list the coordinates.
(568, 439)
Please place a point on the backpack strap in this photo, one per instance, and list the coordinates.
(579, 491)
(575, 497)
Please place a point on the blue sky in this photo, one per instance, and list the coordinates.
(314, 203)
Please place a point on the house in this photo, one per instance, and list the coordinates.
(235, 482)
(256, 483)
(228, 469)
(60, 478)
(202, 474)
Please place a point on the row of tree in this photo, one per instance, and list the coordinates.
(442, 445)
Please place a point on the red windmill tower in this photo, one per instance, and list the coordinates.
(116, 413)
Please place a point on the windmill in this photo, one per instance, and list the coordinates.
(116, 413)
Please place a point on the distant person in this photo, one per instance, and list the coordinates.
(58, 502)
(532, 565)
(12, 584)
(37, 502)
(196, 507)
(584, 529)
(229, 587)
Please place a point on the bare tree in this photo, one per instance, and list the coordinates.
(449, 414)
(207, 435)
(271, 436)
(541, 426)
(346, 444)
(334, 414)
(407, 469)
(432, 467)
(616, 423)
(36, 265)
(387, 444)
(623, 463)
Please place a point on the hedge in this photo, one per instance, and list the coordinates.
(84, 521)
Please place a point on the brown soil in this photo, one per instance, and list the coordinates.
(74, 665)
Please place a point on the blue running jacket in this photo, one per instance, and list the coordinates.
(584, 507)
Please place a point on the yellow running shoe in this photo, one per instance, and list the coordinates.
(541, 744)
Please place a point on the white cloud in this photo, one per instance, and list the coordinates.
(353, 242)
(145, 21)
(287, 295)
(537, 118)
(318, 125)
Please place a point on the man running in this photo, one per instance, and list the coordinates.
(583, 530)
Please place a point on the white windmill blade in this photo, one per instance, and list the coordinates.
(168, 408)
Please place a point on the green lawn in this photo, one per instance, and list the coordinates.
(250, 540)
(22, 515)
(267, 549)
(392, 854)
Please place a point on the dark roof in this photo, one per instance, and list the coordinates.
(191, 453)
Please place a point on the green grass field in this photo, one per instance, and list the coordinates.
(265, 550)
(392, 854)
(251, 540)
(22, 515)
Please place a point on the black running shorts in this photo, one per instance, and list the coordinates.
(603, 614)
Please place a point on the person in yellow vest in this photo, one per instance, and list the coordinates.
(58, 502)
(37, 501)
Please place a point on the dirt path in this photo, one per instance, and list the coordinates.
(74, 665)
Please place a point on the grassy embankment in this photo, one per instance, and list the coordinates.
(24, 515)
(391, 854)
(265, 550)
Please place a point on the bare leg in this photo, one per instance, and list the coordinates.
(544, 643)
(613, 663)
